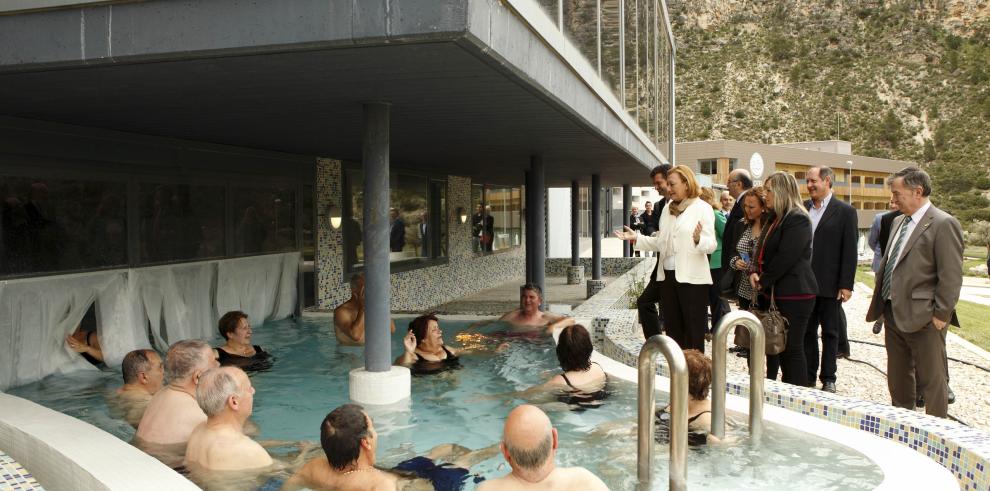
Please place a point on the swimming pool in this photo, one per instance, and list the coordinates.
(468, 407)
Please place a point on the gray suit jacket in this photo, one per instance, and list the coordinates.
(927, 279)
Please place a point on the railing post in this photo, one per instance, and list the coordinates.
(661, 344)
(757, 372)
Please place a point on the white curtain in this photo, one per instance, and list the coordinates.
(178, 302)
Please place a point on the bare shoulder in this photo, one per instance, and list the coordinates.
(343, 315)
(581, 478)
(510, 315)
(493, 484)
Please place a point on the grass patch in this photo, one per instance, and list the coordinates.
(978, 252)
(973, 317)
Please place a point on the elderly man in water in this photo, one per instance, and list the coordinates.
(173, 412)
(350, 441)
(219, 444)
(529, 445)
(144, 373)
(348, 317)
(529, 315)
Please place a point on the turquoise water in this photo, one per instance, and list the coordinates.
(468, 407)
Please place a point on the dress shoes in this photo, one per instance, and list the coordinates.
(877, 326)
(828, 387)
(952, 396)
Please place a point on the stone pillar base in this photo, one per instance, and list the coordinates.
(380, 388)
(575, 275)
(595, 286)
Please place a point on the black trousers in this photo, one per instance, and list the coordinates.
(791, 361)
(826, 313)
(843, 332)
(716, 305)
(649, 318)
(685, 309)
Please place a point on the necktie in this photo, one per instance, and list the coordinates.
(888, 269)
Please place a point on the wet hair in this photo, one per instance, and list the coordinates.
(341, 433)
(687, 175)
(185, 357)
(533, 287)
(532, 458)
(574, 348)
(699, 373)
(134, 363)
(421, 324)
(661, 169)
(826, 173)
(228, 323)
(216, 385)
(913, 178)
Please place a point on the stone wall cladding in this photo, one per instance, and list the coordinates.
(964, 450)
(420, 289)
(611, 266)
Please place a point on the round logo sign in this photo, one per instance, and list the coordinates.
(756, 165)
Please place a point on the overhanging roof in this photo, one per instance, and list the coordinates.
(474, 89)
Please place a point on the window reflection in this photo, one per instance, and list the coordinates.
(49, 225)
(264, 219)
(181, 221)
(497, 220)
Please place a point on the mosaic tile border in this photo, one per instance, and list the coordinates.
(14, 477)
(611, 266)
(963, 450)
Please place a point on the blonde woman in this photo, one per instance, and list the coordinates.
(685, 238)
(782, 267)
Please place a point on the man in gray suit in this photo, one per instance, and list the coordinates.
(916, 293)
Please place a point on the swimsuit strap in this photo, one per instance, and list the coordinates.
(568, 382)
(449, 354)
(696, 416)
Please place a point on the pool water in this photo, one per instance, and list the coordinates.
(468, 406)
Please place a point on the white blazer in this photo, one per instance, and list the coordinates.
(690, 260)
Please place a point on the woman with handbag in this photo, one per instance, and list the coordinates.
(782, 276)
(755, 212)
(683, 242)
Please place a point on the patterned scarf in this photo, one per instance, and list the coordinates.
(678, 207)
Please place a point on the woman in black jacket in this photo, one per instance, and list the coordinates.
(783, 269)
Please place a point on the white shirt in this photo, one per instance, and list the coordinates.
(816, 213)
(915, 218)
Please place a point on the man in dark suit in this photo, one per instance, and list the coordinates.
(739, 183)
(916, 293)
(649, 220)
(649, 317)
(397, 232)
(833, 259)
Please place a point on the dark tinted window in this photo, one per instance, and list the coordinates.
(181, 222)
(264, 219)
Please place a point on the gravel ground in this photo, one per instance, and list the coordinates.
(856, 378)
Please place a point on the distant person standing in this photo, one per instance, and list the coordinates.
(916, 293)
(635, 222)
(833, 259)
(397, 233)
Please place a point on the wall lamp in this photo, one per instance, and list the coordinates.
(461, 214)
(331, 214)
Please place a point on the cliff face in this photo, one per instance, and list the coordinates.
(900, 79)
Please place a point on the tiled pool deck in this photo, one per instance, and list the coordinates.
(965, 451)
(14, 477)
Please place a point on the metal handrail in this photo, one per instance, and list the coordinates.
(757, 372)
(678, 411)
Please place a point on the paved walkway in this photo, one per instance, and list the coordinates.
(857, 378)
(500, 299)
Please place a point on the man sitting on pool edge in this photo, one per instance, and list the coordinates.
(529, 315)
(350, 441)
(226, 396)
(348, 317)
(529, 445)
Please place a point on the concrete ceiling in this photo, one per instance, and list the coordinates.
(454, 110)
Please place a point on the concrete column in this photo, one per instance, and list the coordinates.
(530, 225)
(575, 273)
(626, 206)
(595, 284)
(378, 382)
(539, 250)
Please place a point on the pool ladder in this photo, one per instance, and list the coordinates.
(659, 344)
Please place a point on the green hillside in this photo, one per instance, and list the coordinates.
(902, 80)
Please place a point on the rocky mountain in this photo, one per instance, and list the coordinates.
(900, 79)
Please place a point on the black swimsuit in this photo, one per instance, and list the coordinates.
(695, 437)
(260, 360)
(429, 367)
(581, 399)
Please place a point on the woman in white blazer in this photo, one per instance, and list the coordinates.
(685, 238)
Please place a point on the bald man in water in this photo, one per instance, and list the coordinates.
(529, 445)
(227, 397)
(173, 412)
(144, 373)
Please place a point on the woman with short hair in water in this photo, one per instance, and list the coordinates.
(238, 350)
(699, 405)
(426, 352)
(582, 379)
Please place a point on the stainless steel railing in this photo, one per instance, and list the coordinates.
(678, 411)
(757, 372)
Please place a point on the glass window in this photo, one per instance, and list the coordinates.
(181, 221)
(799, 175)
(497, 220)
(855, 179)
(52, 225)
(708, 167)
(264, 219)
